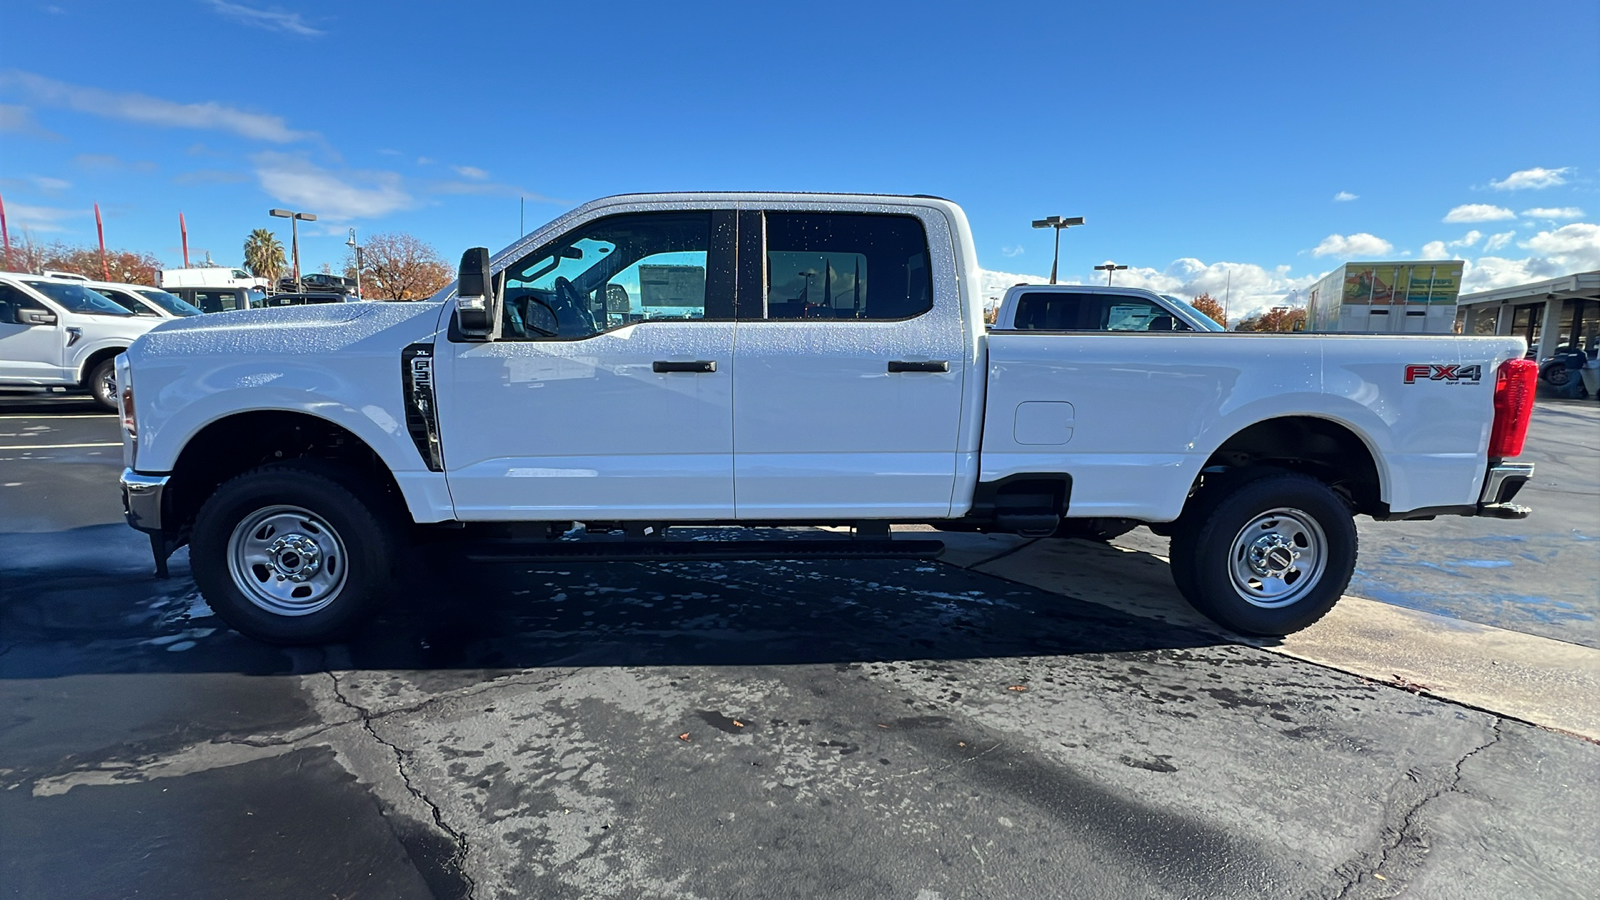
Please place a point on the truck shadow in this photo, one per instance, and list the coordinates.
(84, 601)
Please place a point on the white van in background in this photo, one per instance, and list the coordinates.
(57, 332)
(212, 277)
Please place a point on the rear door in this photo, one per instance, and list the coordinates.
(847, 369)
(608, 394)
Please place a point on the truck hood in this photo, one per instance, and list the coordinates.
(291, 331)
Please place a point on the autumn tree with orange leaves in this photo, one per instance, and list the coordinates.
(1208, 304)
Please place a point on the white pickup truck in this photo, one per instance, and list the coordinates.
(58, 332)
(661, 360)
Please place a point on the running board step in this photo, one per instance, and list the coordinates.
(616, 551)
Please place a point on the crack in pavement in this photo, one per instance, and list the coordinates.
(1405, 847)
(457, 863)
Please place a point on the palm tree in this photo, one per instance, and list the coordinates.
(263, 255)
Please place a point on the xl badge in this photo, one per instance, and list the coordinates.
(1435, 372)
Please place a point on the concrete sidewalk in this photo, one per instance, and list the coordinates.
(1537, 680)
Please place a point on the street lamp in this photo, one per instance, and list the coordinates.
(1058, 223)
(355, 248)
(294, 234)
(1108, 268)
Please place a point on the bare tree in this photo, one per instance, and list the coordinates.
(399, 266)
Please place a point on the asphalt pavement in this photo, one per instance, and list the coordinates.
(788, 729)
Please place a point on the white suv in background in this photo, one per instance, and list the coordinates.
(57, 332)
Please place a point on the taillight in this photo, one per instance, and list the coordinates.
(1514, 384)
(130, 422)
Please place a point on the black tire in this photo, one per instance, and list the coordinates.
(351, 529)
(103, 383)
(1101, 530)
(1212, 556)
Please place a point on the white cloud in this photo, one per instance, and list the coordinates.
(1478, 212)
(1345, 197)
(20, 216)
(19, 120)
(1442, 250)
(269, 19)
(303, 185)
(1435, 250)
(147, 110)
(1553, 212)
(1012, 252)
(1253, 288)
(1535, 179)
(472, 172)
(1568, 249)
(1576, 246)
(1361, 244)
(1496, 241)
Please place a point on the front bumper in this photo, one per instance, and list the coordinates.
(142, 499)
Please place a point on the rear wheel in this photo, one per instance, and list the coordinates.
(294, 552)
(103, 383)
(1267, 555)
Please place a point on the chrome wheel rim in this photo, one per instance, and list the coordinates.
(287, 560)
(108, 386)
(1277, 558)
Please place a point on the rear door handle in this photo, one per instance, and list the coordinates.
(700, 365)
(897, 365)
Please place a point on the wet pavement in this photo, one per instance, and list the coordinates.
(790, 729)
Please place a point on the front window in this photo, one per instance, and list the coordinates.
(616, 271)
(169, 302)
(77, 299)
(1206, 322)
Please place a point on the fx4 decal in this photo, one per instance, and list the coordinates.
(1451, 374)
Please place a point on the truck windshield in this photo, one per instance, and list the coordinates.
(170, 303)
(77, 298)
(1206, 322)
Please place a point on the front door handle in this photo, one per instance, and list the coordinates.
(898, 365)
(701, 365)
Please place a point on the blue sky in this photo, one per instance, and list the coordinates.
(1197, 139)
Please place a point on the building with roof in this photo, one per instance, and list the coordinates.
(1556, 312)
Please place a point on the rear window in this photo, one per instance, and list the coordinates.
(1069, 311)
(847, 266)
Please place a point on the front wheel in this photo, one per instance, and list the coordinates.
(1267, 555)
(293, 553)
(103, 383)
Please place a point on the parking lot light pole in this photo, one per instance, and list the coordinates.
(1108, 268)
(356, 249)
(295, 218)
(1058, 223)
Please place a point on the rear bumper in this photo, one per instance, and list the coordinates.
(1501, 482)
(142, 497)
(1500, 486)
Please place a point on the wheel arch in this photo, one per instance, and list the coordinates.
(1326, 448)
(236, 443)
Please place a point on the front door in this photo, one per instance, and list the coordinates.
(608, 392)
(847, 378)
(29, 354)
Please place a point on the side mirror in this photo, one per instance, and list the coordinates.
(477, 301)
(35, 317)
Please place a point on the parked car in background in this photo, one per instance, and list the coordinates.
(220, 299)
(143, 300)
(303, 299)
(57, 332)
(318, 282)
